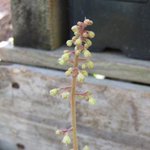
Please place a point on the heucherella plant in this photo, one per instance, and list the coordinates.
(79, 61)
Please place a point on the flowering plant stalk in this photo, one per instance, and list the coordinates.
(79, 59)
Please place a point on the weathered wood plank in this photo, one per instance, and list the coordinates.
(120, 120)
(33, 135)
(111, 65)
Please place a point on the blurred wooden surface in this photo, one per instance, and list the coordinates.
(28, 115)
(110, 64)
(5, 20)
(42, 24)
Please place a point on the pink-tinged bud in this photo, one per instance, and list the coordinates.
(88, 22)
(79, 23)
(85, 35)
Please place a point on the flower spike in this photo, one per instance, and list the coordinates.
(79, 59)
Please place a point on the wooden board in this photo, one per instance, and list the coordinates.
(112, 65)
(28, 115)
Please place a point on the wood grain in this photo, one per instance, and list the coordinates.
(112, 65)
(119, 121)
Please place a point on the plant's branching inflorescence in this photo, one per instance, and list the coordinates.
(79, 61)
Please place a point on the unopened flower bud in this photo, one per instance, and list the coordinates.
(61, 61)
(79, 23)
(84, 72)
(68, 72)
(86, 53)
(86, 46)
(54, 92)
(80, 77)
(85, 35)
(91, 34)
(70, 69)
(74, 28)
(92, 101)
(66, 56)
(88, 22)
(76, 48)
(90, 64)
(66, 140)
(86, 147)
(88, 42)
(78, 42)
(69, 43)
(77, 52)
(74, 38)
(76, 33)
(65, 95)
(58, 132)
(83, 66)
